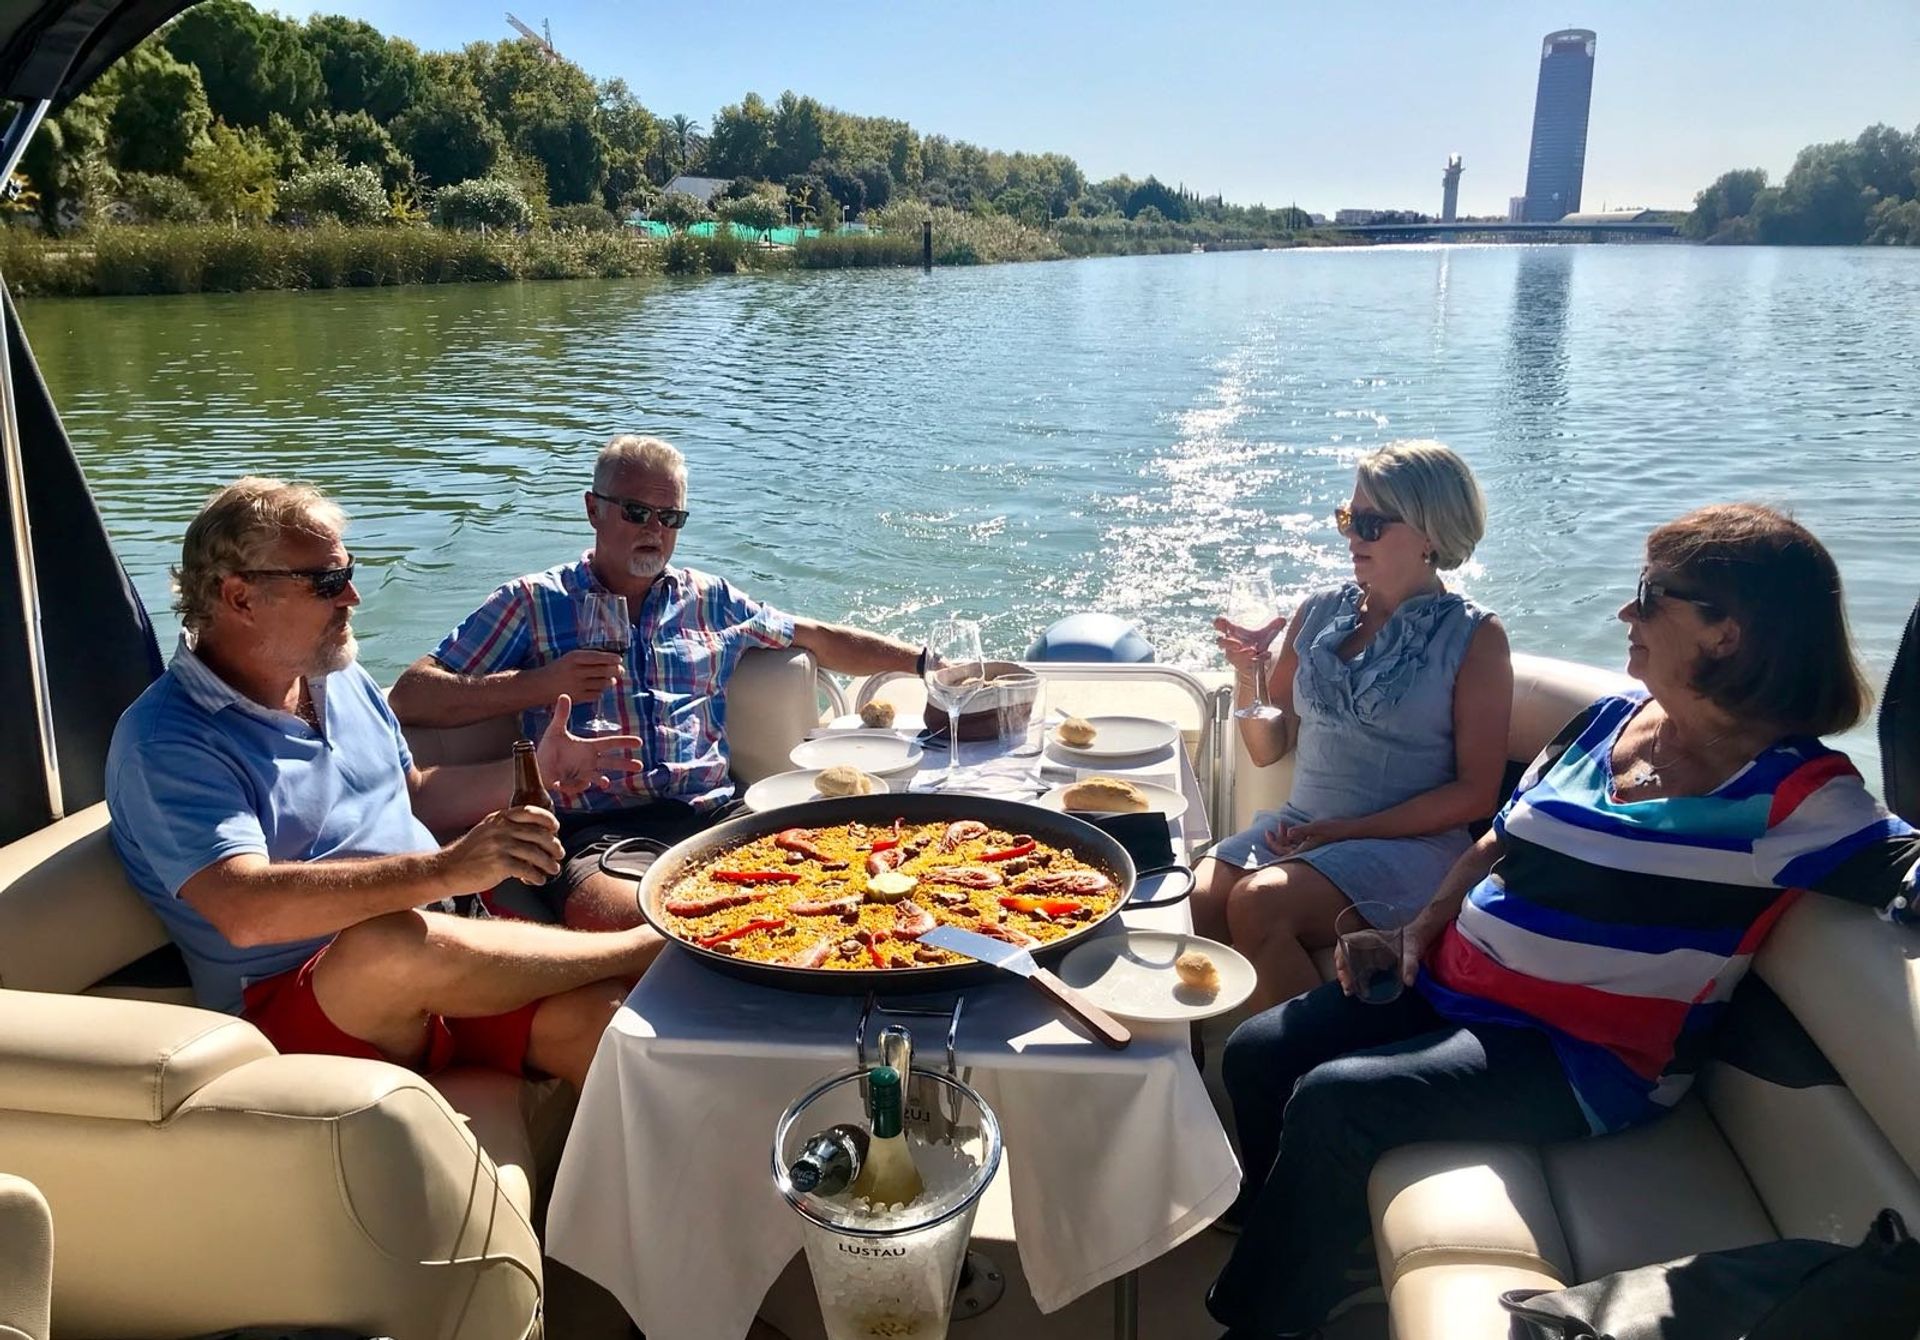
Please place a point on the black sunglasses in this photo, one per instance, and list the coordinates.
(1369, 526)
(639, 513)
(1647, 595)
(327, 583)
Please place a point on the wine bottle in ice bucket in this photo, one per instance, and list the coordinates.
(888, 1175)
(829, 1160)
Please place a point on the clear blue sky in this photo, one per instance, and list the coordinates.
(1329, 105)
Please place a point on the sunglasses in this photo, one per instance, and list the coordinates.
(327, 583)
(1647, 597)
(1369, 526)
(639, 513)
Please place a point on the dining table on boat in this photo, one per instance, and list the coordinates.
(665, 1196)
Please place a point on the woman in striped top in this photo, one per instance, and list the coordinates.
(1572, 965)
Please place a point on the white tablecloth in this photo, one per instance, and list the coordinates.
(665, 1198)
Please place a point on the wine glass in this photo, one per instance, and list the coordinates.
(605, 626)
(955, 675)
(1251, 603)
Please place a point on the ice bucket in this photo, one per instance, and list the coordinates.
(892, 1276)
(1003, 708)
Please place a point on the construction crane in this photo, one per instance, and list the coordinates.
(542, 39)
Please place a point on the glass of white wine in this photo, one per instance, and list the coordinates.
(1252, 603)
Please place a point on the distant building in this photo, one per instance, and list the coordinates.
(1450, 189)
(1317, 220)
(703, 189)
(1357, 216)
(1516, 208)
(1558, 159)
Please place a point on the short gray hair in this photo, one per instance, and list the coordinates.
(237, 530)
(1428, 486)
(648, 455)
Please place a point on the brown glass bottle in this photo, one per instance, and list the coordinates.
(528, 789)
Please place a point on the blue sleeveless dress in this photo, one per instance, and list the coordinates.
(1375, 731)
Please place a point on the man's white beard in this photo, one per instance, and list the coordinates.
(336, 656)
(645, 566)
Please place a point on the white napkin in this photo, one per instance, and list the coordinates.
(1003, 776)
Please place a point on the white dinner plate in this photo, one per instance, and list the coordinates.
(878, 752)
(1162, 798)
(793, 788)
(1132, 976)
(1119, 737)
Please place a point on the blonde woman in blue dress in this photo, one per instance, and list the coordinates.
(1395, 695)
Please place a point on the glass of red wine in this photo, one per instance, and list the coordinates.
(605, 626)
(1372, 934)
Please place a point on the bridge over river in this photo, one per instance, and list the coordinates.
(1471, 231)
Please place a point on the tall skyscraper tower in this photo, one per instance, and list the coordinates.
(1450, 189)
(1558, 160)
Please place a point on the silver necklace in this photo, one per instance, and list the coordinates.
(1646, 772)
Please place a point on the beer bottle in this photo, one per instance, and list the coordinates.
(528, 789)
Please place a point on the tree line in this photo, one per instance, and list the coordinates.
(236, 115)
(1846, 192)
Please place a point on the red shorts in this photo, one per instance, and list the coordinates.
(284, 1008)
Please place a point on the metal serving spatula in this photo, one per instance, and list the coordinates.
(1014, 959)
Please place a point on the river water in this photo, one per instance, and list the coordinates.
(1020, 442)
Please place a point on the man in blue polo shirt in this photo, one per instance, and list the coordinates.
(265, 803)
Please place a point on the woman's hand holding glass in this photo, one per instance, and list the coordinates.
(1416, 937)
(1249, 651)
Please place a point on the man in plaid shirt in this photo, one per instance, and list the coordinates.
(522, 648)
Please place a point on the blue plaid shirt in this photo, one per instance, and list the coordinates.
(688, 634)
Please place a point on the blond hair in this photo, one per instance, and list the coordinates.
(648, 455)
(1430, 488)
(237, 530)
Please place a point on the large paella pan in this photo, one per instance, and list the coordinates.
(831, 896)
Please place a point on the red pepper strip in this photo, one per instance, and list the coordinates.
(879, 960)
(1007, 854)
(755, 876)
(709, 941)
(888, 843)
(1053, 907)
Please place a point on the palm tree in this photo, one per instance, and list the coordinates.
(685, 132)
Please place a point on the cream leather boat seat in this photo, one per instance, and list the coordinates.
(26, 1261)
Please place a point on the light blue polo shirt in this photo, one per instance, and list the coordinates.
(198, 772)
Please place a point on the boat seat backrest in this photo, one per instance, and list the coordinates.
(68, 916)
(772, 702)
(1816, 1084)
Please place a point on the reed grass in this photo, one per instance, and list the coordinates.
(193, 258)
(213, 258)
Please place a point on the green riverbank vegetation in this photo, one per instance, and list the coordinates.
(1843, 193)
(237, 148)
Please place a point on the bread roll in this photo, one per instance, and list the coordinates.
(877, 716)
(1107, 794)
(843, 779)
(1197, 971)
(1076, 732)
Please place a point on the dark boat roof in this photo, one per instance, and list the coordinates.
(54, 50)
